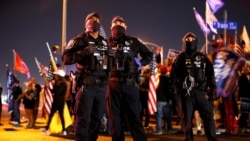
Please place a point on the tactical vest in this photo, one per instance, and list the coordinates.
(196, 67)
(98, 56)
(124, 56)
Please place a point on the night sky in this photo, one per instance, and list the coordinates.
(26, 25)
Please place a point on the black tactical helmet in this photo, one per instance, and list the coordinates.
(93, 14)
(118, 18)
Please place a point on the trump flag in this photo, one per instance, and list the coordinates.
(226, 66)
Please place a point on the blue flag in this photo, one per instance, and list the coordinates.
(11, 79)
(226, 66)
(10, 82)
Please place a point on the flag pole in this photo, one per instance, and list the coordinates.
(13, 58)
(37, 63)
(162, 56)
(51, 58)
(235, 37)
(206, 51)
(14, 61)
(64, 27)
(225, 30)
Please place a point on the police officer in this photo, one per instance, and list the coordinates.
(88, 51)
(123, 92)
(193, 85)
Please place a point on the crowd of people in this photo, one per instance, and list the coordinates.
(112, 80)
(30, 99)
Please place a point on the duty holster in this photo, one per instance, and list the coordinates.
(92, 80)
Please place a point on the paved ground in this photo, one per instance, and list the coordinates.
(9, 132)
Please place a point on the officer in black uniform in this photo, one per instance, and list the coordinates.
(193, 85)
(123, 90)
(88, 51)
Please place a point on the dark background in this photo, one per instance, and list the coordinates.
(26, 25)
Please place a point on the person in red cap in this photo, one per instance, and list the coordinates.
(123, 102)
(88, 51)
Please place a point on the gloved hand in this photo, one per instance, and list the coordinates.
(86, 50)
(138, 62)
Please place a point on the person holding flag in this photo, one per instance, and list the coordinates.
(59, 91)
(227, 64)
(16, 91)
(193, 86)
(12, 80)
(164, 103)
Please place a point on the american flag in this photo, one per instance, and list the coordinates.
(47, 93)
(43, 70)
(239, 50)
(153, 84)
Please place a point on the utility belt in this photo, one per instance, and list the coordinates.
(124, 80)
(90, 78)
(89, 81)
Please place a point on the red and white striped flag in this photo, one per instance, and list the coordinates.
(239, 50)
(47, 93)
(153, 84)
(43, 70)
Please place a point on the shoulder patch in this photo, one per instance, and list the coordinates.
(70, 44)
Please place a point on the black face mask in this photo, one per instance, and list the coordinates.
(93, 26)
(191, 47)
(118, 31)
